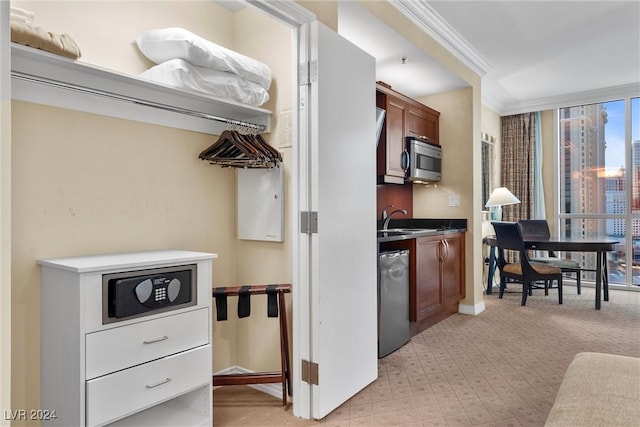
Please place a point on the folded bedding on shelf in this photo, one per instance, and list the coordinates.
(20, 19)
(161, 45)
(37, 37)
(180, 73)
(21, 15)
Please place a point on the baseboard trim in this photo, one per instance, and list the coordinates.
(274, 389)
(472, 310)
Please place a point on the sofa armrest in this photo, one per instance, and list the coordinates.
(598, 390)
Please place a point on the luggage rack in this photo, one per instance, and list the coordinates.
(275, 308)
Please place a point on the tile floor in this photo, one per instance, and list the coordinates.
(500, 368)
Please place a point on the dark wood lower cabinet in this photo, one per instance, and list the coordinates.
(436, 277)
(453, 270)
(427, 287)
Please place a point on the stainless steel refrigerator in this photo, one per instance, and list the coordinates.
(393, 301)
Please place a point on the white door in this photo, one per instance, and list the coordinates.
(5, 206)
(337, 272)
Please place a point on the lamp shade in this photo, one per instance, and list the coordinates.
(500, 197)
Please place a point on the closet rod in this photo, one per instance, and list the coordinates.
(83, 89)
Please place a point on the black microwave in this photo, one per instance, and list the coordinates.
(425, 160)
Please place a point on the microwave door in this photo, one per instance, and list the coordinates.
(425, 163)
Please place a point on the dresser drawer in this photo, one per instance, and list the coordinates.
(126, 392)
(122, 347)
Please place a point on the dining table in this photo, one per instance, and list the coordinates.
(600, 246)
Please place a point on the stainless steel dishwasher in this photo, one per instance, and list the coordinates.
(393, 301)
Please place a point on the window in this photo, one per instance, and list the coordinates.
(488, 143)
(600, 183)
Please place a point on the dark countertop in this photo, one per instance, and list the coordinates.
(430, 227)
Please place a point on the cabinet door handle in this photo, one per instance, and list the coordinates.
(158, 383)
(164, 338)
(446, 249)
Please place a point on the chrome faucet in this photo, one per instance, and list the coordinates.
(384, 214)
(385, 225)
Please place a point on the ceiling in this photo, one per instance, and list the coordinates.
(529, 53)
(417, 76)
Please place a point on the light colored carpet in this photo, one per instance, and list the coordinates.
(500, 368)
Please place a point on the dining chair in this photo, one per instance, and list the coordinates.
(509, 237)
(534, 229)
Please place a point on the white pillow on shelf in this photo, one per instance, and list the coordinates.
(179, 73)
(161, 45)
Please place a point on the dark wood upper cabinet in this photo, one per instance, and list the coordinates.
(404, 117)
(391, 145)
(422, 121)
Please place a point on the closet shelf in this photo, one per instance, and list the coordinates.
(43, 78)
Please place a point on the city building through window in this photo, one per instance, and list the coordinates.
(599, 182)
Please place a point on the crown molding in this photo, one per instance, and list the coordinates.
(571, 99)
(287, 11)
(492, 102)
(429, 21)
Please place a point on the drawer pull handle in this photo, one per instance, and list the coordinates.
(158, 384)
(164, 338)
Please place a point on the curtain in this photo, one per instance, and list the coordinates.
(518, 163)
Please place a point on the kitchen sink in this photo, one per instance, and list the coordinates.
(394, 232)
(408, 230)
(390, 233)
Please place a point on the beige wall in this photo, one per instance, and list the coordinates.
(80, 180)
(492, 125)
(460, 134)
(257, 339)
(455, 135)
(105, 31)
(85, 184)
(326, 11)
(456, 139)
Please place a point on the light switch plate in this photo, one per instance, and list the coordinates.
(454, 200)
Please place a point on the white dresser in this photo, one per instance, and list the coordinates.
(151, 368)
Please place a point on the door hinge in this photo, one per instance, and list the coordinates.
(309, 222)
(308, 73)
(309, 372)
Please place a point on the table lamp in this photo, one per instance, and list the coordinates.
(499, 197)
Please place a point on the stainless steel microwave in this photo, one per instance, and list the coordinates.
(424, 161)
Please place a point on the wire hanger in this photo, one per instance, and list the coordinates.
(241, 150)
